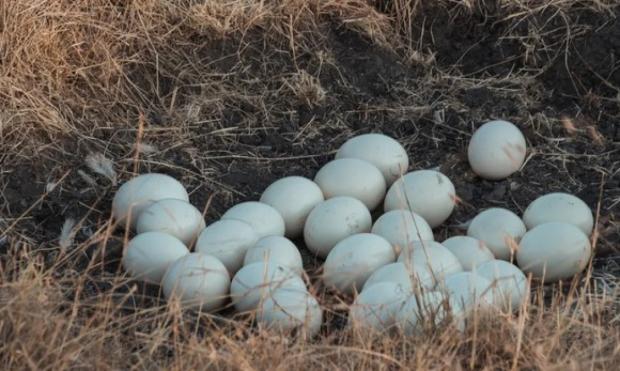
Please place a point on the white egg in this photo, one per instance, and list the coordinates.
(468, 291)
(402, 227)
(417, 310)
(393, 272)
(265, 220)
(353, 178)
(352, 261)
(257, 281)
(228, 240)
(148, 255)
(408, 278)
(554, 251)
(334, 220)
(375, 308)
(384, 152)
(508, 282)
(496, 150)
(174, 217)
(427, 193)
(289, 309)
(470, 251)
(276, 249)
(559, 207)
(500, 229)
(431, 255)
(294, 197)
(140, 192)
(198, 281)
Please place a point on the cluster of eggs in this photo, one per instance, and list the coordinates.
(398, 273)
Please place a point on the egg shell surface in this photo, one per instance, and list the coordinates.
(198, 281)
(148, 255)
(353, 178)
(138, 193)
(334, 220)
(428, 193)
(384, 152)
(293, 197)
(354, 259)
(175, 217)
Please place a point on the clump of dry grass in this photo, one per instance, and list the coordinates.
(50, 322)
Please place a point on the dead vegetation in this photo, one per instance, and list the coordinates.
(230, 95)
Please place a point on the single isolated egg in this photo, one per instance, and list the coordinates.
(198, 281)
(554, 251)
(289, 309)
(383, 152)
(401, 227)
(294, 197)
(500, 229)
(559, 207)
(496, 150)
(334, 220)
(174, 217)
(428, 193)
(257, 281)
(375, 308)
(228, 240)
(265, 220)
(469, 251)
(353, 178)
(508, 282)
(354, 259)
(468, 291)
(149, 254)
(275, 249)
(432, 255)
(140, 192)
(420, 309)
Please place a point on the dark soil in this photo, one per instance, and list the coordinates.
(479, 74)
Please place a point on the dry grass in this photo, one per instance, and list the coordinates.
(99, 89)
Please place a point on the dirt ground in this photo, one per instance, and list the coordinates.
(229, 102)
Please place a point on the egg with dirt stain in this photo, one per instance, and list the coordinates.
(384, 152)
(354, 259)
(469, 251)
(496, 150)
(149, 254)
(265, 220)
(334, 220)
(228, 240)
(554, 251)
(559, 207)
(135, 195)
(175, 217)
(352, 177)
(428, 193)
(500, 229)
(293, 197)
